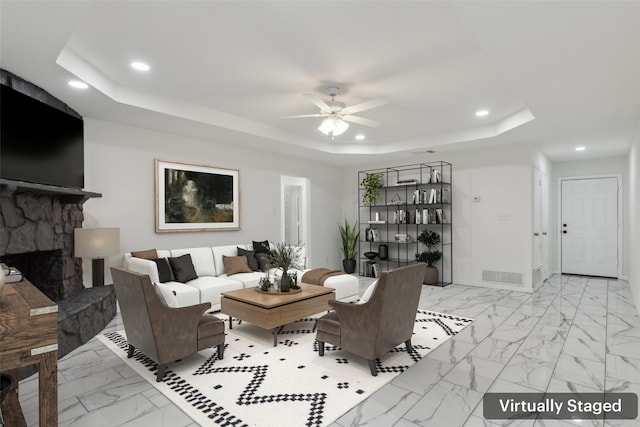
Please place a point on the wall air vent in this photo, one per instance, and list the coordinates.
(503, 277)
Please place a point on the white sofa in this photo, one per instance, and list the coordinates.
(212, 278)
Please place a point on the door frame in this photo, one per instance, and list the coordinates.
(558, 228)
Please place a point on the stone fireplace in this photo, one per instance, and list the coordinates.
(37, 223)
(37, 239)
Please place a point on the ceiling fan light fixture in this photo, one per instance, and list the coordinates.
(334, 126)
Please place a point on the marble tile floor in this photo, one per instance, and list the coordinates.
(572, 334)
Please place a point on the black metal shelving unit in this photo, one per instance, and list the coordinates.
(413, 198)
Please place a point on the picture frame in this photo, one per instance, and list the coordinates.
(196, 197)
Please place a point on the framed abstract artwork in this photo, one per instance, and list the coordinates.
(196, 197)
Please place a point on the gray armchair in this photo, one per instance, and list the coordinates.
(163, 333)
(386, 320)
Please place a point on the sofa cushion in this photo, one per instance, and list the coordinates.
(261, 247)
(263, 261)
(248, 280)
(235, 264)
(202, 259)
(251, 259)
(164, 270)
(185, 295)
(183, 269)
(210, 288)
(149, 254)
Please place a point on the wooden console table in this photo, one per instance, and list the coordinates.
(29, 335)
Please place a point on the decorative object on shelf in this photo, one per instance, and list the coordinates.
(196, 197)
(370, 255)
(430, 239)
(285, 258)
(396, 200)
(349, 236)
(407, 182)
(403, 238)
(372, 182)
(97, 243)
(383, 252)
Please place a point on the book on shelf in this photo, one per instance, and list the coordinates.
(407, 181)
(439, 216)
(379, 221)
(375, 267)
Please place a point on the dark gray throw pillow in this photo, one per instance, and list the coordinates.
(263, 261)
(252, 261)
(164, 270)
(183, 269)
(261, 247)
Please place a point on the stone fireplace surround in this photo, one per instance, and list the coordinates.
(37, 238)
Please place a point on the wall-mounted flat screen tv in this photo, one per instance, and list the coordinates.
(39, 143)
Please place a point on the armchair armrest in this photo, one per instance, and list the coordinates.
(175, 329)
(355, 315)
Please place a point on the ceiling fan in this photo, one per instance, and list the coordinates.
(337, 114)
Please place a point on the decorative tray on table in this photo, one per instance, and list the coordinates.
(273, 291)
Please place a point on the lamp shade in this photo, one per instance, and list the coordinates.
(96, 242)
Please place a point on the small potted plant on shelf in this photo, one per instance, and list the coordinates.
(349, 248)
(430, 239)
(285, 258)
(372, 182)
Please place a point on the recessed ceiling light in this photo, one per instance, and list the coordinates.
(78, 84)
(581, 148)
(140, 66)
(360, 137)
(482, 113)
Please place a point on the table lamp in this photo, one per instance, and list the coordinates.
(97, 243)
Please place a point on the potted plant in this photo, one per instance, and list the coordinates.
(349, 248)
(430, 239)
(285, 258)
(372, 182)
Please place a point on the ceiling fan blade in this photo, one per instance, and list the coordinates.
(303, 115)
(317, 101)
(360, 121)
(367, 105)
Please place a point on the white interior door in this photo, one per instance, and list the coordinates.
(589, 226)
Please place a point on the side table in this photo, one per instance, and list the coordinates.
(29, 335)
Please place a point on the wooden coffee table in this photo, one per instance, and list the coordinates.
(273, 311)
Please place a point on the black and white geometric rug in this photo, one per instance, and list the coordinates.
(257, 384)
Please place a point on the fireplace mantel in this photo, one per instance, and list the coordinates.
(69, 195)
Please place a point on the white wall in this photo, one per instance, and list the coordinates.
(119, 163)
(633, 241)
(502, 178)
(608, 166)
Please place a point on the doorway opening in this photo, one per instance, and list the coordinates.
(295, 220)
